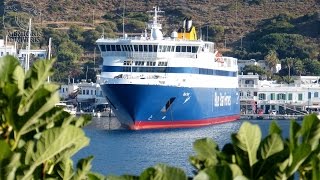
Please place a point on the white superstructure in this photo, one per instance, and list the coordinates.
(154, 54)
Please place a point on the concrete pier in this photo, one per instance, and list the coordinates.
(271, 116)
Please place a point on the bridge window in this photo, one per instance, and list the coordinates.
(136, 48)
(178, 49)
(194, 49)
(118, 48)
(145, 48)
(183, 49)
(103, 47)
(108, 47)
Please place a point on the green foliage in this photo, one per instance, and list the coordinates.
(253, 69)
(75, 34)
(90, 38)
(218, 32)
(158, 172)
(312, 67)
(287, 35)
(135, 25)
(272, 158)
(272, 59)
(57, 36)
(139, 16)
(69, 51)
(37, 139)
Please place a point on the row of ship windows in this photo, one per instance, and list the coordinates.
(149, 48)
(148, 63)
(281, 96)
(84, 91)
(172, 70)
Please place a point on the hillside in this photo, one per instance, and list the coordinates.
(238, 18)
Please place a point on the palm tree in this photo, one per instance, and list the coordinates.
(299, 67)
(272, 59)
(289, 63)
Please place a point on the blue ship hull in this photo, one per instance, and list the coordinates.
(156, 106)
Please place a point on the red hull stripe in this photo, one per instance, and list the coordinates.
(182, 124)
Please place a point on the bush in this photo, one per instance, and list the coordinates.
(37, 139)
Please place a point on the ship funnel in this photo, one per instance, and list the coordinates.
(189, 24)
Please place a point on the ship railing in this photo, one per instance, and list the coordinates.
(128, 76)
(247, 85)
(144, 55)
(247, 97)
(185, 55)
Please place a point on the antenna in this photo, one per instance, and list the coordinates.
(49, 54)
(49, 49)
(102, 36)
(124, 8)
(28, 48)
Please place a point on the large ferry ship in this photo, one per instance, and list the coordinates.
(152, 81)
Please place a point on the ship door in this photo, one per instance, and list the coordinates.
(166, 107)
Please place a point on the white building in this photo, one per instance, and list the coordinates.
(34, 53)
(7, 49)
(84, 95)
(262, 96)
(262, 63)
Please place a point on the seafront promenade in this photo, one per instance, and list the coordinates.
(270, 116)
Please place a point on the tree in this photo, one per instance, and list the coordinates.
(254, 69)
(298, 67)
(90, 38)
(312, 67)
(214, 32)
(57, 36)
(286, 45)
(75, 34)
(272, 59)
(69, 51)
(289, 63)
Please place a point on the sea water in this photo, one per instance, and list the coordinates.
(119, 151)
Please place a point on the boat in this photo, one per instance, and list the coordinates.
(152, 81)
(103, 110)
(67, 107)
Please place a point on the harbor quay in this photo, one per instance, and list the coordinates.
(270, 117)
